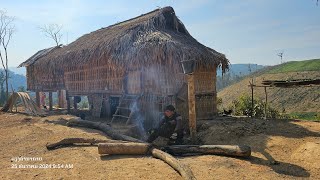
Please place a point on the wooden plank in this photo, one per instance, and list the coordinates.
(192, 107)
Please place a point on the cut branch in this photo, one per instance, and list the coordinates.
(228, 150)
(102, 127)
(73, 141)
(181, 168)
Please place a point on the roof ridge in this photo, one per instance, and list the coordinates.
(118, 23)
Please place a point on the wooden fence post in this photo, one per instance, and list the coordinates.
(266, 105)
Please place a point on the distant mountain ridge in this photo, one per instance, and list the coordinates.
(235, 74)
(20, 71)
(242, 69)
(15, 80)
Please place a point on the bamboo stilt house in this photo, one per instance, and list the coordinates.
(139, 56)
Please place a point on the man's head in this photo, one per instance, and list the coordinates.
(169, 110)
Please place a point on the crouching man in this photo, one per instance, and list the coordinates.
(170, 127)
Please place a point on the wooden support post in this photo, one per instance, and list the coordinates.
(266, 104)
(107, 106)
(68, 101)
(75, 105)
(50, 101)
(192, 107)
(61, 99)
(38, 98)
(215, 97)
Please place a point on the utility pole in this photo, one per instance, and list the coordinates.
(281, 56)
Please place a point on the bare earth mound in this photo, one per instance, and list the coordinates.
(281, 149)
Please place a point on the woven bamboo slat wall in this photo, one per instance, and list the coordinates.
(104, 78)
(162, 81)
(38, 80)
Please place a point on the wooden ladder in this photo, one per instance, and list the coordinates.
(126, 101)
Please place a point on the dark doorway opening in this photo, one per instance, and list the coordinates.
(109, 106)
(114, 103)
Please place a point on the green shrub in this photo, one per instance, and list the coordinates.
(243, 107)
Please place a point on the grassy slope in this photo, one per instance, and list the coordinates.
(297, 66)
(291, 99)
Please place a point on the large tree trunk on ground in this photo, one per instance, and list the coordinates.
(143, 149)
(102, 127)
(183, 170)
(228, 150)
(72, 141)
(123, 148)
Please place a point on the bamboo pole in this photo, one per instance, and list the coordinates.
(192, 107)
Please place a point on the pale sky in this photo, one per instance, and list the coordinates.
(246, 31)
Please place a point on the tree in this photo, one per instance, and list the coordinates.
(6, 32)
(53, 31)
(2, 92)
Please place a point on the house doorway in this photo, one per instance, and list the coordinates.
(109, 106)
(114, 103)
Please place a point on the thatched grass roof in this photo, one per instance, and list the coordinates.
(37, 56)
(158, 36)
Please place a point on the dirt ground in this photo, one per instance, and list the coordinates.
(281, 149)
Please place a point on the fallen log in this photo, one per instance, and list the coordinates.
(228, 150)
(144, 149)
(183, 170)
(141, 148)
(102, 127)
(72, 141)
(123, 148)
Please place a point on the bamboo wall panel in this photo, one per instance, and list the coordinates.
(133, 82)
(93, 79)
(44, 81)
